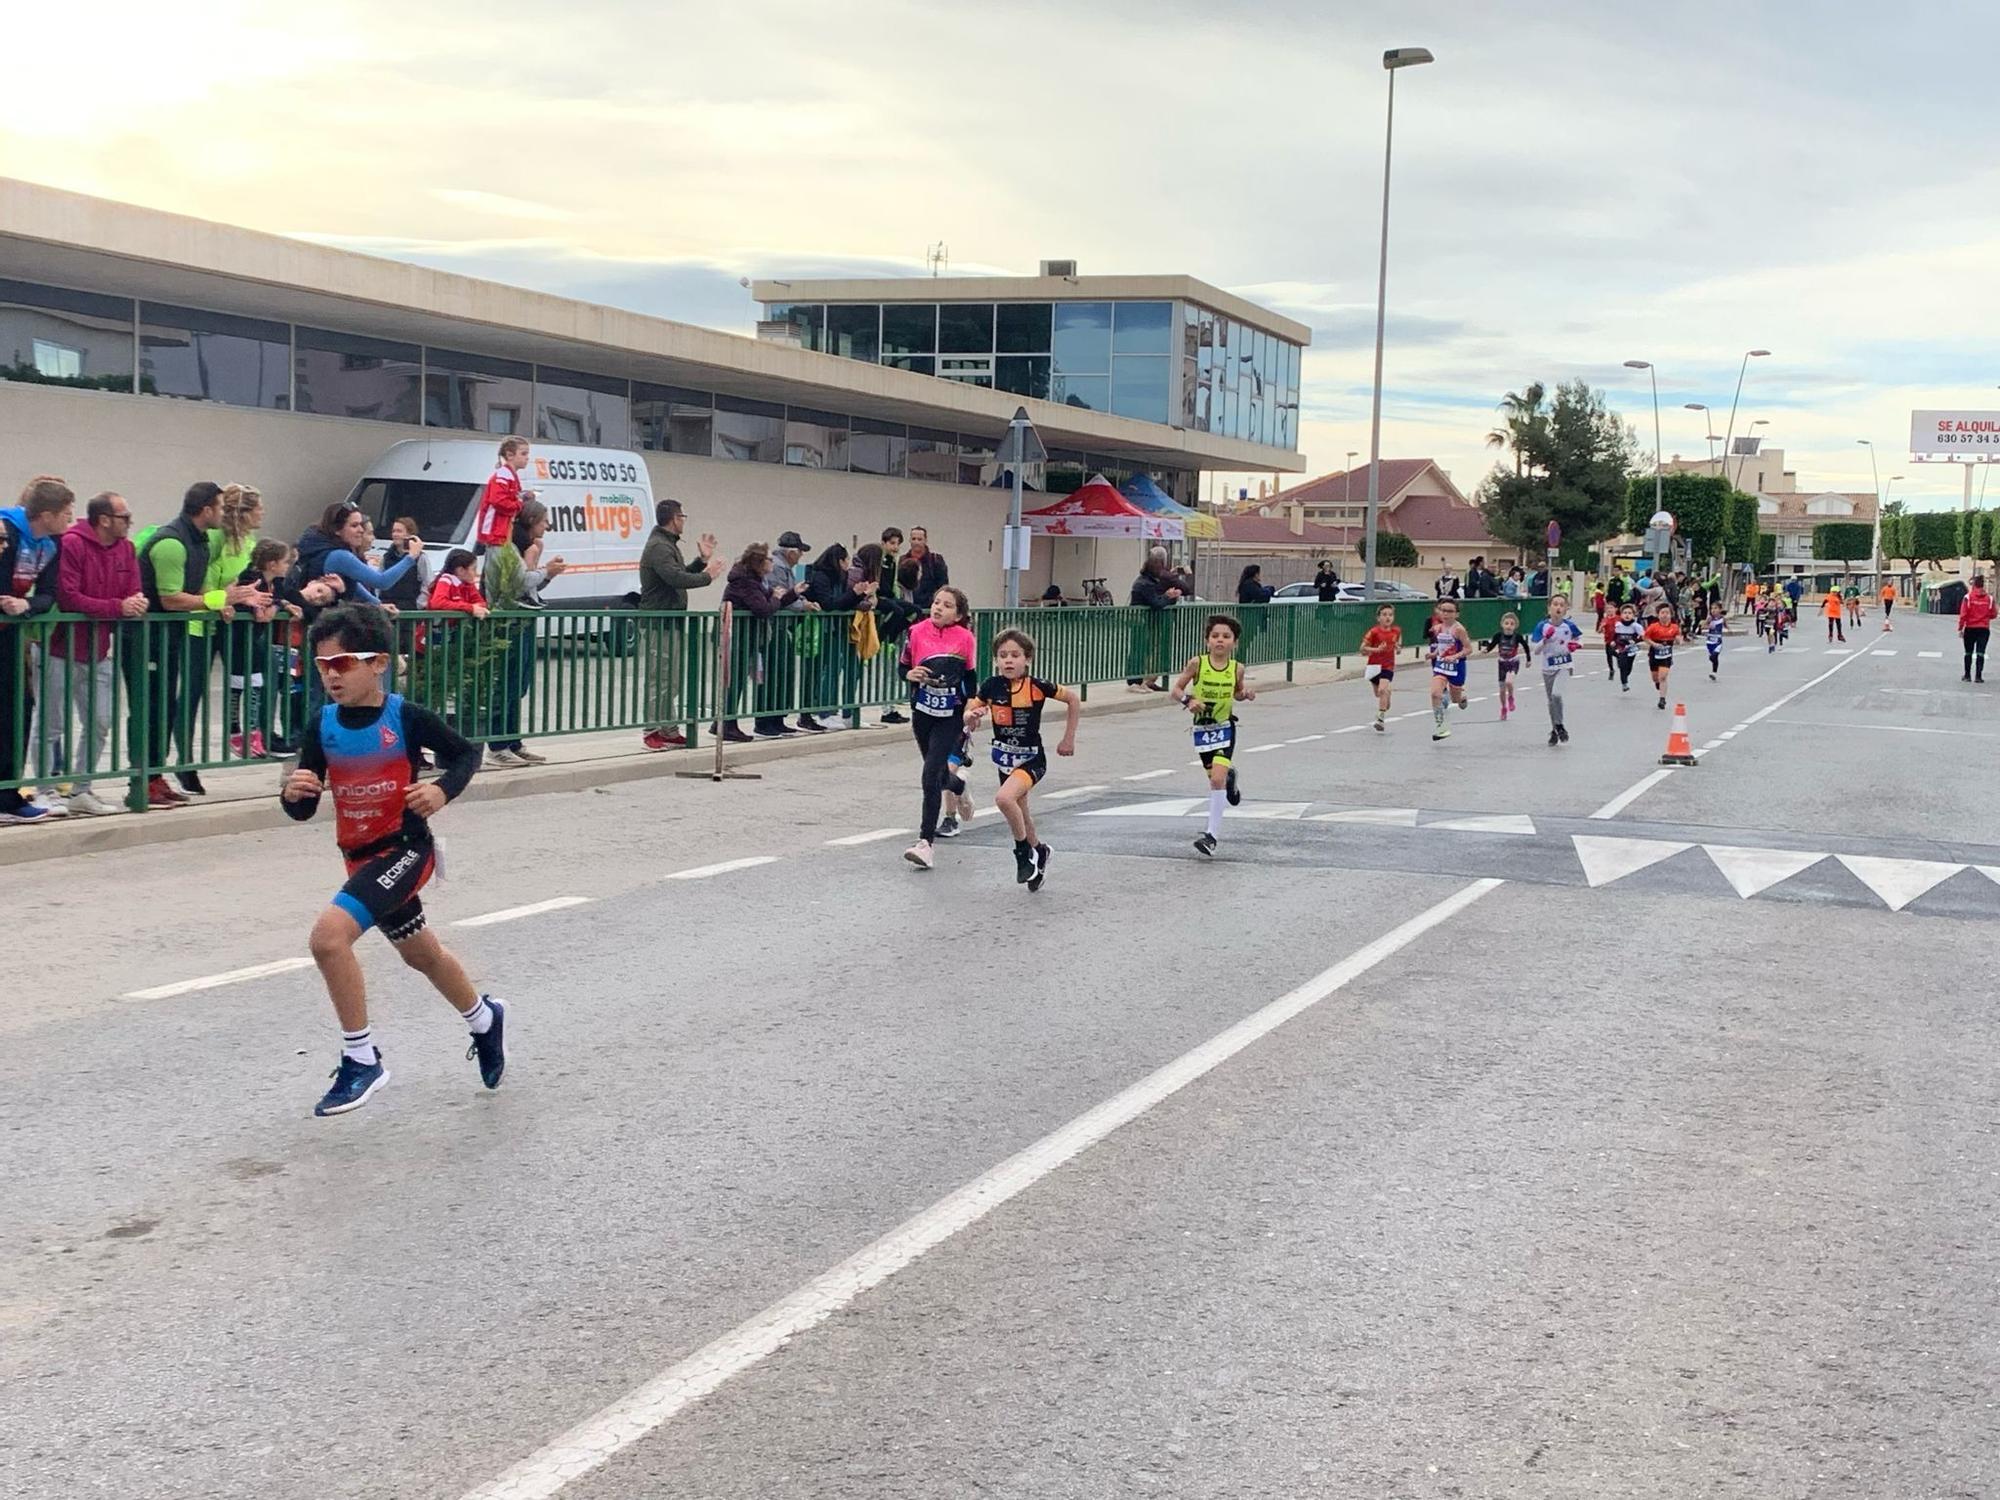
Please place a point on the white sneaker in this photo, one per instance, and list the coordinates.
(90, 805)
(530, 758)
(53, 805)
(919, 854)
(505, 759)
(833, 721)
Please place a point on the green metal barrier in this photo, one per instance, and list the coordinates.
(86, 701)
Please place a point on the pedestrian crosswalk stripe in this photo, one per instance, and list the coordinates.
(1605, 859)
(1933, 655)
(1176, 807)
(1749, 871)
(1839, 651)
(1898, 881)
(1489, 823)
(1381, 817)
(1881, 653)
(1270, 812)
(1071, 791)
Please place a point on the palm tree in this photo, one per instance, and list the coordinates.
(1523, 422)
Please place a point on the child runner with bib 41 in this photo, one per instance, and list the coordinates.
(1217, 682)
(1015, 697)
(1450, 646)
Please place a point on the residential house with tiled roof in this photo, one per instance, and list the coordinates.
(1784, 509)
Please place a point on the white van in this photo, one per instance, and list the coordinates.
(600, 504)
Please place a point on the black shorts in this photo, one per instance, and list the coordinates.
(1226, 753)
(1657, 659)
(1509, 668)
(1034, 770)
(381, 890)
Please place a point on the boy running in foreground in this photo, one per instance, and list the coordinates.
(1380, 645)
(1555, 638)
(1014, 698)
(363, 746)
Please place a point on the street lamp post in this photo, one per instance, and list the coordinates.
(1659, 504)
(1729, 436)
(1392, 60)
(1347, 483)
(1875, 474)
(1708, 422)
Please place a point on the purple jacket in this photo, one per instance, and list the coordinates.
(91, 579)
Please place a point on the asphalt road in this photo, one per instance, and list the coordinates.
(1486, 1119)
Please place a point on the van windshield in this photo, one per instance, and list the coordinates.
(441, 508)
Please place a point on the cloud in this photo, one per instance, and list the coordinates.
(499, 205)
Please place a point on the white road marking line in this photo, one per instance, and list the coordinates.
(215, 981)
(1749, 871)
(1385, 817)
(1149, 775)
(1897, 881)
(1633, 793)
(1729, 734)
(1738, 728)
(1931, 655)
(1970, 734)
(702, 872)
(593, 1441)
(1260, 749)
(865, 838)
(1175, 807)
(1073, 791)
(1839, 651)
(1305, 739)
(1881, 653)
(1489, 823)
(1356, 728)
(1713, 745)
(1269, 812)
(1766, 712)
(514, 913)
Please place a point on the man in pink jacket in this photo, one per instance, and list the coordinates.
(97, 574)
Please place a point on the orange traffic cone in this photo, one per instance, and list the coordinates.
(1679, 751)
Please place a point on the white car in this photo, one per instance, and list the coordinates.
(1350, 593)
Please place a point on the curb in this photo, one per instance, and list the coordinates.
(254, 814)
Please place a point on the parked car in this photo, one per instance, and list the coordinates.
(1350, 593)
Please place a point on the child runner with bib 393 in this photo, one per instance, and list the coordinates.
(1555, 639)
(1450, 646)
(1210, 687)
(1014, 696)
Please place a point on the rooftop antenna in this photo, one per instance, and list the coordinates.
(937, 257)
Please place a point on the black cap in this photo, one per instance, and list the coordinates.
(793, 539)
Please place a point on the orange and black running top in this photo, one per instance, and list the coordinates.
(1016, 708)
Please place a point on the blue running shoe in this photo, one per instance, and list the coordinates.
(353, 1082)
(490, 1045)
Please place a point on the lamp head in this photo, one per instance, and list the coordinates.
(1638, 364)
(1864, 442)
(1406, 57)
(1759, 353)
(1695, 406)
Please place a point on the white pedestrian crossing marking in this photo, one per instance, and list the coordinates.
(1605, 860)
(1380, 817)
(1898, 881)
(1839, 650)
(874, 836)
(1150, 775)
(1072, 791)
(1176, 807)
(1489, 823)
(1269, 812)
(1881, 653)
(1932, 655)
(1749, 871)
(1260, 749)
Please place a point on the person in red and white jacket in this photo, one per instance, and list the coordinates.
(501, 500)
(1975, 628)
(456, 587)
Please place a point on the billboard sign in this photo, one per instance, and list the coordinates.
(1968, 436)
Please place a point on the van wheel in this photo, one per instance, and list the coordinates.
(625, 638)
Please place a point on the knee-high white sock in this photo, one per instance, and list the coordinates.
(1216, 801)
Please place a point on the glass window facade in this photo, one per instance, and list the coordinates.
(668, 419)
(1024, 328)
(574, 407)
(965, 328)
(474, 393)
(815, 439)
(1082, 344)
(1139, 386)
(1022, 374)
(854, 332)
(1142, 327)
(909, 330)
(1236, 380)
(878, 447)
(205, 356)
(52, 336)
(808, 320)
(933, 455)
(749, 431)
(345, 375)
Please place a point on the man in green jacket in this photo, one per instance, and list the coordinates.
(664, 581)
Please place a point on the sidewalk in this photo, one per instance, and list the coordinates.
(243, 800)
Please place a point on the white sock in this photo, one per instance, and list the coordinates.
(359, 1045)
(1216, 801)
(1437, 712)
(479, 1020)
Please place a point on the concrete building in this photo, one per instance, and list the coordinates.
(1784, 509)
(141, 350)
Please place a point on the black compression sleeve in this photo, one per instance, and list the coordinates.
(312, 757)
(457, 756)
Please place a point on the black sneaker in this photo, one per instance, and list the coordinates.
(1229, 788)
(353, 1082)
(1205, 845)
(1554, 738)
(1024, 866)
(191, 784)
(1041, 867)
(947, 827)
(1663, 701)
(490, 1045)
(893, 717)
(811, 725)
(1562, 733)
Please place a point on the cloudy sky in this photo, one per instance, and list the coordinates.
(1576, 184)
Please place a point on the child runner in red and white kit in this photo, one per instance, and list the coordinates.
(1379, 647)
(501, 500)
(1450, 646)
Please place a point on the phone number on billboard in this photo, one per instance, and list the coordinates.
(593, 473)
